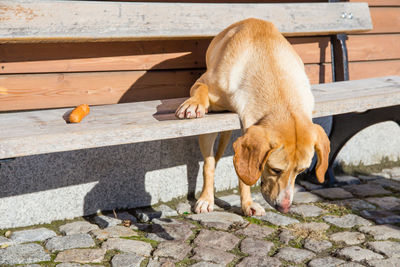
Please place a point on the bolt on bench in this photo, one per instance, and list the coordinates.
(354, 105)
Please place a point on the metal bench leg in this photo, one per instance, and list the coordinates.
(345, 126)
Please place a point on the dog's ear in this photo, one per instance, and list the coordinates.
(251, 153)
(322, 147)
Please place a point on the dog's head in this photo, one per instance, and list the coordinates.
(278, 155)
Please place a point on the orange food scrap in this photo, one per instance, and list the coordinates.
(79, 113)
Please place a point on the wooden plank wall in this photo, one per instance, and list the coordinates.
(62, 75)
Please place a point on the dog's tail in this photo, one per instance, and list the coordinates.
(223, 142)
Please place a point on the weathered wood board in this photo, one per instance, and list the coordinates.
(36, 132)
(67, 21)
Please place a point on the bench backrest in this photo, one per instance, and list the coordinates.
(41, 21)
(53, 65)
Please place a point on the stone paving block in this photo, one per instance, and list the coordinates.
(169, 231)
(346, 221)
(298, 188)
(294, 255)
(206, 264)
(71, 264)
(216, 239)
(392, 173)
(307, 210)
(277, 219)
(227, 202)
(113, 231)
(381, 217)
(388, 248)
(256, 247)
(286, 236)
(325, 262)
(366, 190)
(386, 203)
(350, 264)
(126, 260)
(382, 232)
(305, 197)
(347, 180)
(219, 220)
(386, 183)
(161, 262)
(333, 193)
(183, 208)
(173, 249)
(391, 262)
(310, 186)
(32, 235)
(81, 255)
(354, 204)
(368, 178)
(349, 238)
(317, 246)
(212, 255)
(256, 231)
(80, 227)
(69, 242)
(23, 254)
(148, 214)
(259, 261)
(104, 221)
(356, 253)
(258, 197)
(129, 246)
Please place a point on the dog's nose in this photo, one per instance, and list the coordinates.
(283, 209)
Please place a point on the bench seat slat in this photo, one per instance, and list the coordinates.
(45, 131)
(66, 21)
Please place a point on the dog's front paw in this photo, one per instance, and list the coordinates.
(191, 109)
(203, 206)
(253, 209)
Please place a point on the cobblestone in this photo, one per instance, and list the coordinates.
(356, 253)
(216, 239)
(23, 254)
(333, 193)
(307, 210)
(223, 238)
(347, 221)
(126, 260)
(39, 234)
(80, 227)
(349, 238)
(325, 262)
(382, 232)
(256, 247)
(366, 190)
(81, 255)
(294, 255)
(278, 219)
(69, 241)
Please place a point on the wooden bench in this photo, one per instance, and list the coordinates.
(25, 133)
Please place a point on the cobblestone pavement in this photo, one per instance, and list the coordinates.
(355, 225)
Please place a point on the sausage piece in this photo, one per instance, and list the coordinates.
(79, 113)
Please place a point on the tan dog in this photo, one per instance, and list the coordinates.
(253, 70)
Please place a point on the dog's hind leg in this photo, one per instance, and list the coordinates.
(206, 201)
(197, 105)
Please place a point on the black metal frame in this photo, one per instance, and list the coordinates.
(345, 126)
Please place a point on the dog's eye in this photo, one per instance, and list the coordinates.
(276, 171)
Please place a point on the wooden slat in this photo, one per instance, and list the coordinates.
(369, 69)
(50, 21)
(373, 47)
(141, 55)
(29, 133)
(380, 2)
(21, 92)
(385, 20)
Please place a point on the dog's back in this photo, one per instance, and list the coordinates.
(251, 65)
